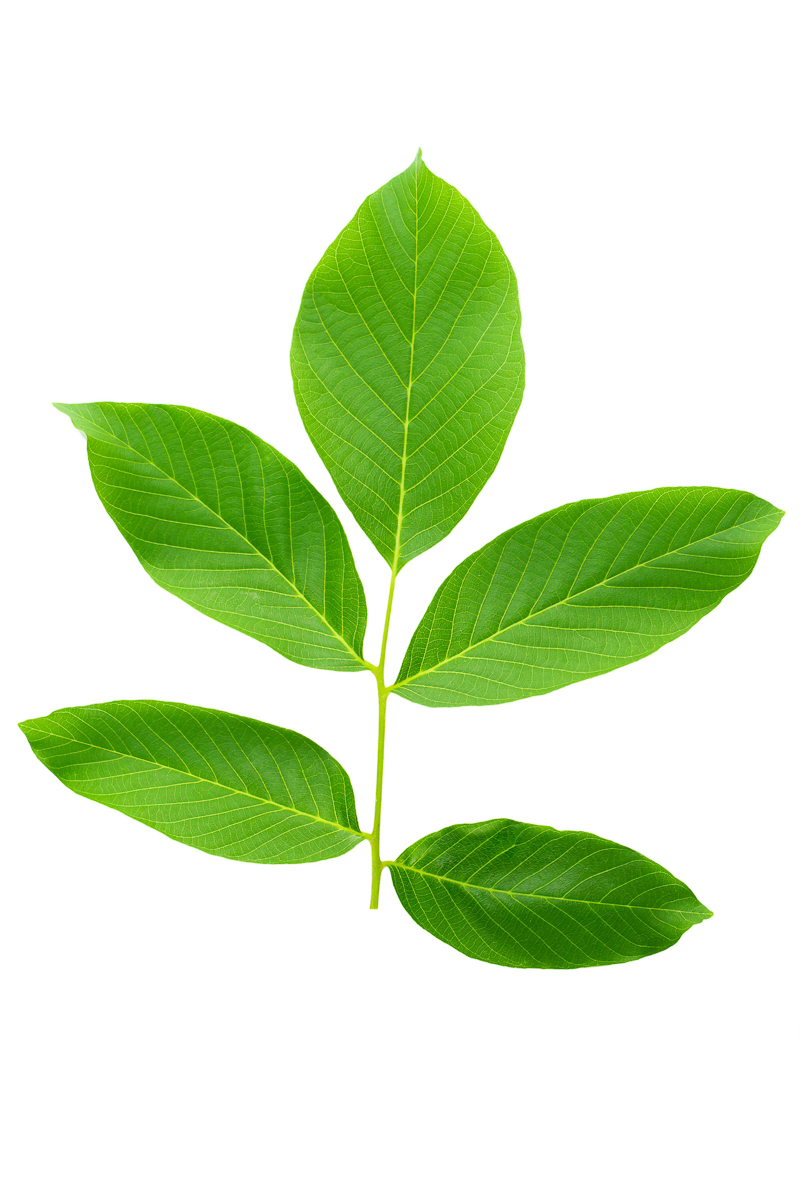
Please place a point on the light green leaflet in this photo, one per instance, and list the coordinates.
(407, 361)
(580, 591)
(225, 784)
(225, 522)
(531, 896)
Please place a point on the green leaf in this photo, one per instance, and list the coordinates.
(532, 896)
(225, 522)
(407, 361)
(580, 591)
(225, 784)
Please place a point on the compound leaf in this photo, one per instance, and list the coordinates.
(225, 784)
(580, 591)
(222, 520)
(532, 896)
(407, 360)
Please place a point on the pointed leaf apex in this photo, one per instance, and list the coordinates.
(69, 411)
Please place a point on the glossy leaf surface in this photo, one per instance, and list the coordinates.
(531, 896)
(407, 360)
(580, 591)
(225, 784)
(222, 520)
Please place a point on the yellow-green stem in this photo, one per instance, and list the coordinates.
(375, 836)
(383, 695)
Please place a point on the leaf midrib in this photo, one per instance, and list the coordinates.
(404, 457)
(535, 895)
(243, 538)
(573, 596)
(217, 782)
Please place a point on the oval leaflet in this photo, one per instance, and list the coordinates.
(225, 784)
(532, 896)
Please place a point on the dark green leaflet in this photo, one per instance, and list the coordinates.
(408, 362)
(225, 522)
(225, 784)
(580, 591)
(531, 896)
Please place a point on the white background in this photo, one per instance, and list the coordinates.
(180, 1026)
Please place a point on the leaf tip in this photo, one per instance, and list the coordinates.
(69, 411)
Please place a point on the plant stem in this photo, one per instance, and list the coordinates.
(383, 695)
(375, 836)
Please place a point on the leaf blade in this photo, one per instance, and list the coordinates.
(225, 784)
(407, 361)
(580, 591)
(225, 522)
(521, 895)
